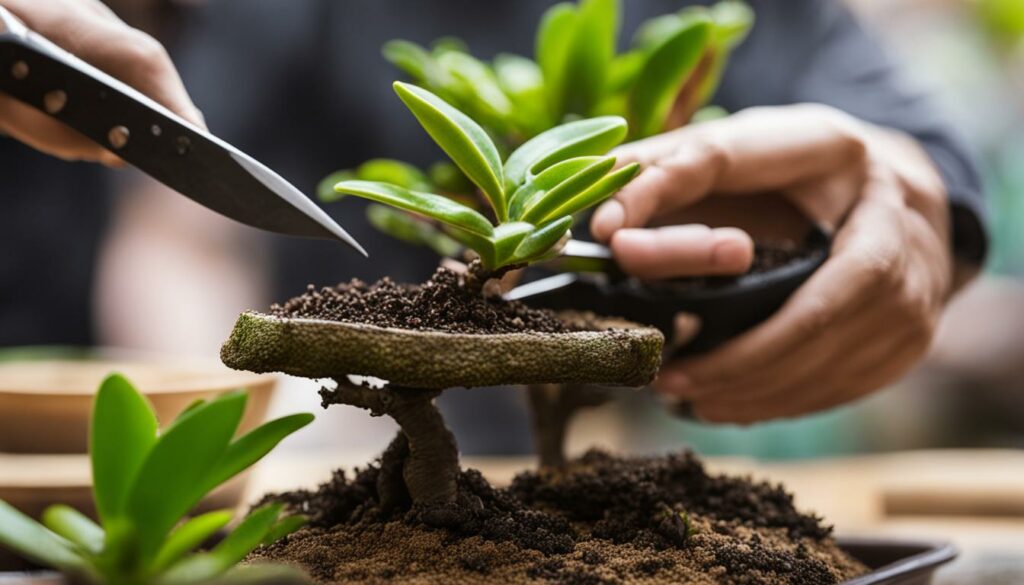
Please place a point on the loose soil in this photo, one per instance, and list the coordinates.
(440, 304)
(768, 255)
(599, 520)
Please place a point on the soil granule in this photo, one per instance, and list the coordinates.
(599, 520)
(440, 304)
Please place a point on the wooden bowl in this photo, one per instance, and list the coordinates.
(45, 404)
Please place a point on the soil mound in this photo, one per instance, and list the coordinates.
(440, 304)
(599, 520)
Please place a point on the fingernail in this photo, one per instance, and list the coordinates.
(608, 218)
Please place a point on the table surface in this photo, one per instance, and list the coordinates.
(973, 498)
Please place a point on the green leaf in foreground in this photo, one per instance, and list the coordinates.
(75, 527)
(34, 541)
(403, 226)
(122, 432)
(189, 536)
(593, 136)
(465, 142)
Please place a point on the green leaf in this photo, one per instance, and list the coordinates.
(708, 113)
(74, 526)
(580, 138)
(35, 542)
(263, 574)
(624, 70)
(417, 63)
(507, 238)
(484, 97)
(122, 433)
(449, 178)
(189, 536)
(284, 527)
(400, 225)
(165, 488)
(250, 448)
(242, 540)
(554, 39)
(590, 54)
(733, 20)
(549, 178)
(438, 207)
(523, 82)
(448, 44)
(386, 170)
(482, 245)
(541, 207)
(465, 142)
(541, 241)
(325, 188)
(595, 194)
(663, 75)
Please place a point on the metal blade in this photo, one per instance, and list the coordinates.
(150, 137)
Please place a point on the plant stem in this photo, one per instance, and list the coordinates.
(427, 456)
(552, 407)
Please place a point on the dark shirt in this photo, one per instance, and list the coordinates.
(301, 85)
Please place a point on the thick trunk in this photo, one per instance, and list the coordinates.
(428, 454)
(553, 406)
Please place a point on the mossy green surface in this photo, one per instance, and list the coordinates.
(616, 353)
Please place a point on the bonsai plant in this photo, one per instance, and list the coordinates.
(145, 482)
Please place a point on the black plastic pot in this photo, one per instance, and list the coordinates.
(726, 307)
(893, 562)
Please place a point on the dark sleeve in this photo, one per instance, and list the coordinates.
(816, 51)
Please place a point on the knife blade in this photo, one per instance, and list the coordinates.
(150, 137)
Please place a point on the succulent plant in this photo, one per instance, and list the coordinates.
(532, 194)
(144, 483)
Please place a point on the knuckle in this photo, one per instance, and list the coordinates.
(816, 318)
(847, 129)
(878, 268)
(147, 52)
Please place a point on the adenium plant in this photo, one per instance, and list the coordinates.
(144, 484)
(554, 116)
(532, 194)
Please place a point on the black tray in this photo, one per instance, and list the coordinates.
(894, 562)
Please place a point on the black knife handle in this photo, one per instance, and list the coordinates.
(47, 78)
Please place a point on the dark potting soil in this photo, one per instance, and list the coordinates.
(600, 520)
(440, 304)
(768, 255)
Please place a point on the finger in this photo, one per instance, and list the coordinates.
(682, 250)
(756, 150)
(866, 262)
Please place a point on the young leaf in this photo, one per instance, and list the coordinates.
(251, 447)
(461, 138)
(74, 526)
(733, 20)
(507, 238)
(325, 188)
(666, 70)
(580, 138)
(595, 194)
(448, 44)
(540, 208)
(438, 207)
(122, 431)
(35, 542)
(590, 54)
(165, 487)
(189, 536)
(242, 540)
(549, 178)
(401, 225)
(554, 39)
(541, 241)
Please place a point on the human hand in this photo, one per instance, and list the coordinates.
(92, 32)
(861, 320)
